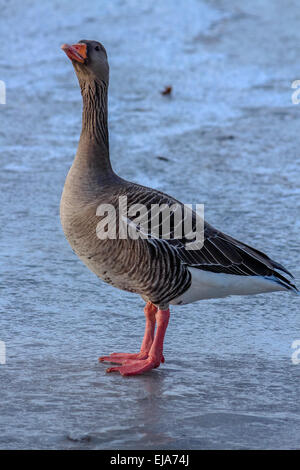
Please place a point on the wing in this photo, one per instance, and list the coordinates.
(222, 253)
(219, 253)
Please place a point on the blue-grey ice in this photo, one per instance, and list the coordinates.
(229, 138)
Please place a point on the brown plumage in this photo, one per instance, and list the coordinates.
(161, 271)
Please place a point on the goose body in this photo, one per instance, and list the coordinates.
(162, 271)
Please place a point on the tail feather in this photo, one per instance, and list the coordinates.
(283, 281)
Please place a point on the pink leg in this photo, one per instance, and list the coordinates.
(155, 356)
(119, 358)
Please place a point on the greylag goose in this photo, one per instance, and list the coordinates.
(162, 271)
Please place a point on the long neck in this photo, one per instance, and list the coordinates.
(93, 148)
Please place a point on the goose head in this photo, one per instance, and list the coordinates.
(89, 60)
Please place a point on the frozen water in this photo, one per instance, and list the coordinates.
(229, 135)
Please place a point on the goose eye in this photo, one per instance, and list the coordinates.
(97, 48)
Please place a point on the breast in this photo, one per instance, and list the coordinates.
(105, 258)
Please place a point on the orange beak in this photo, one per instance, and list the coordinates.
(76, 52)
